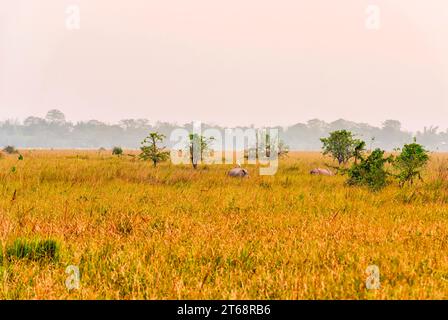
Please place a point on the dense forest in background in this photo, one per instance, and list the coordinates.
(54, 131)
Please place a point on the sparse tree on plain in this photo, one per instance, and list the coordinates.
(152, 151)
(117, 151)
(282, 149)
(197, 146)
(412, 159)
(342, 146)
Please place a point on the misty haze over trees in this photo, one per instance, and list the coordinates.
(54, 131)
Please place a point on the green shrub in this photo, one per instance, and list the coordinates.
(412, 159)
(117, 151)
(370, 171)
(33, 250)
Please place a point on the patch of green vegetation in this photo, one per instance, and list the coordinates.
(370, 171)
(117, 151)
(33, 250)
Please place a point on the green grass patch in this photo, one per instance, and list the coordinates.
(33, 250)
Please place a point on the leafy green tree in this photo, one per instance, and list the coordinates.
(370, 171)
(360, 147)
(117, 151)
(342, 146)
(197, 146)
(151, 150)
(412, 159)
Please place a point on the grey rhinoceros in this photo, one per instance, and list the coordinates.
(322, 172)
(238, 172)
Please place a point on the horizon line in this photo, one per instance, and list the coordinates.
(213, 123)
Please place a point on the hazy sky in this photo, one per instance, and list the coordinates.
(229, 62)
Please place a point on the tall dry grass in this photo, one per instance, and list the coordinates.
(173, 232)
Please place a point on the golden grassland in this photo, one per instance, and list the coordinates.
(176, 233)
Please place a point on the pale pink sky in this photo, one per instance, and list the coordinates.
(229, 62)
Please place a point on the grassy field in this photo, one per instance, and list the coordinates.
(136, 232)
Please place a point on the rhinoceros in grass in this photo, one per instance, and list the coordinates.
(321, 172)
(238, 172)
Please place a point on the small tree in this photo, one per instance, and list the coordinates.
(279, 147)
(358, 151)
(412, 159)
(266, 145)
(117, 151)
(282, 149)
(370, 171)
(197, 146)
(342, 146)
(151, 151)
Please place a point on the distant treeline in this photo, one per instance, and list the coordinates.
(54, 131)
